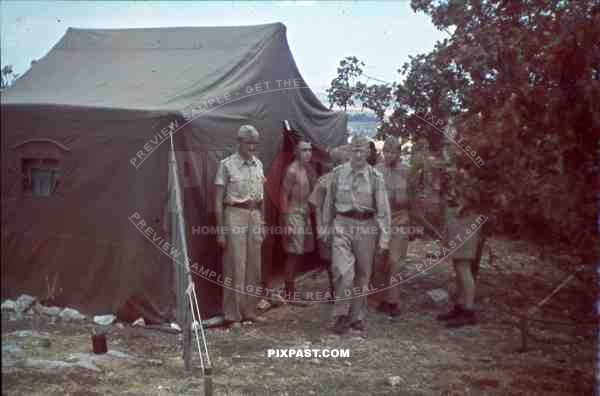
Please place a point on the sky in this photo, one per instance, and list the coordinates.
(380, 33)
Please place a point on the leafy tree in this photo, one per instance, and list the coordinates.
(522, 80)
(8, 76)
(343, 86)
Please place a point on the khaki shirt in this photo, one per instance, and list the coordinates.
(353, 192)
(398, 189)
(242, 179)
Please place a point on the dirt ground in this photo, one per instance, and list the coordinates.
(428, 358)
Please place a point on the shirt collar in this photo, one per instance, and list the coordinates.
(241, 161)
(363, 171)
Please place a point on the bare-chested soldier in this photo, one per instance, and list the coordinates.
(295, 215)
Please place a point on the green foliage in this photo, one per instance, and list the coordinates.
(8, 76)
(343, 86)
(376, 97)
(522, 79)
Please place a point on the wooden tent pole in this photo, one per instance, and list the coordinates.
(182, 275)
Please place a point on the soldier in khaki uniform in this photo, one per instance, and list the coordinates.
(239, 210)
(356, 202)
(339, 155)
(463, 238)
(396, 176)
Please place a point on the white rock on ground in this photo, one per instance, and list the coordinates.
(24, 302)
(71, 314)
(214, 321)
(139, 322)
(438, 296)
(9, 305)
(393, 380)
(50, 311)
(104, 320)
(42, 310)
(175, 326)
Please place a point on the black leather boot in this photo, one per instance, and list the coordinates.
(456, 311)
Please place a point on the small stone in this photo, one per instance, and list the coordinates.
(120, 325)
(24, 302)
(139, 322)
(348, 363)
(439, 296)
(104, 320)
(71, 359)
(315, 361)
(175, 326)
(155, 362)
(394, 380)
(9, 305)
(71, 314)
(236, 356)
(50, 311)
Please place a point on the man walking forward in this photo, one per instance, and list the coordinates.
(356, 204)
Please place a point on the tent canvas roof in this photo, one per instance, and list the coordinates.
(151, 69)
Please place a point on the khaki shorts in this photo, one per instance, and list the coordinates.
(297, 237)
(466, 236)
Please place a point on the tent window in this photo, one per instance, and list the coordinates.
(40, 176)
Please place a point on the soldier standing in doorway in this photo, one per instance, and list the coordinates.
(295, 215)
(239, 210)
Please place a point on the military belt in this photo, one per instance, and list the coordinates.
(246, 205)
(356, 215)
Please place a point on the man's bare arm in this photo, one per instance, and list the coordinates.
(287, 184)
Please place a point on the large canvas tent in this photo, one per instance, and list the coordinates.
(85, 142)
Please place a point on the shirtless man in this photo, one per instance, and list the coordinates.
(295, 216)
